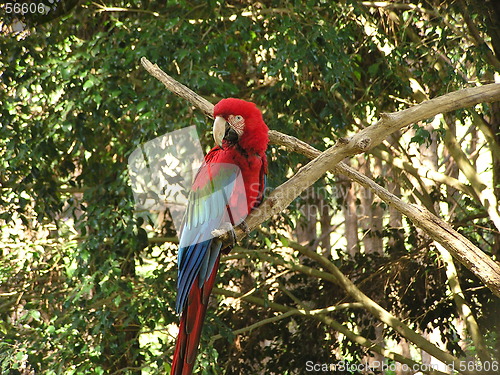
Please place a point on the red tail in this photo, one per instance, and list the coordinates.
(190, 326)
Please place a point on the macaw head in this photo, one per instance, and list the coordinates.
(240, 122)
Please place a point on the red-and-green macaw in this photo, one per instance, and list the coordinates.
(228, 185)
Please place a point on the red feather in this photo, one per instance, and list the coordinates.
(190, 326)
(249, 156)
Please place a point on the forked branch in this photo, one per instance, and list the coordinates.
(460, 247)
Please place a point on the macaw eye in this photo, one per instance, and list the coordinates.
(237, 123)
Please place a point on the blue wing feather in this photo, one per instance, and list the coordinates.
(187, 276)
(198, 251)
(209, 261)
(206, 211)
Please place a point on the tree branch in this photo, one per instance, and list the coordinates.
(419, 171)
(463, 308)
(263, 322)
(486, 194)
(336, 276)
(320, 315)
(178, 89)
(460, 247)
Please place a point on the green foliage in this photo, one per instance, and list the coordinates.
(84, 291)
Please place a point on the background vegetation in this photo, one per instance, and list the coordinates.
(87, 287)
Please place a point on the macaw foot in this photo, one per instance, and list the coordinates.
(226, 233)
(224, 228)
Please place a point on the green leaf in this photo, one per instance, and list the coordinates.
(88, 84)
(35, 314)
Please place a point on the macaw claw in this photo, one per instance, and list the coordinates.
(224, 228)
(226, 233)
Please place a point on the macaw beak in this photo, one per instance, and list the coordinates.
(219, 130)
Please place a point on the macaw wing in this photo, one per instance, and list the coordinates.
(215, 185)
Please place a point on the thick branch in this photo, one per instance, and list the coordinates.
(363, 141)
(459, 246)
(440, 231)
(178, 88)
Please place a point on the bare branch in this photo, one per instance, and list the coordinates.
(178, 88)
(103, 8)
(260, 323)
(336, 276)
(320, 315)
(440, 231)
(460, 247)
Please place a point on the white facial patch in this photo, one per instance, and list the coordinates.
(237, 122)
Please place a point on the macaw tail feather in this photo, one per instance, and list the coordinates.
(191, 323)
